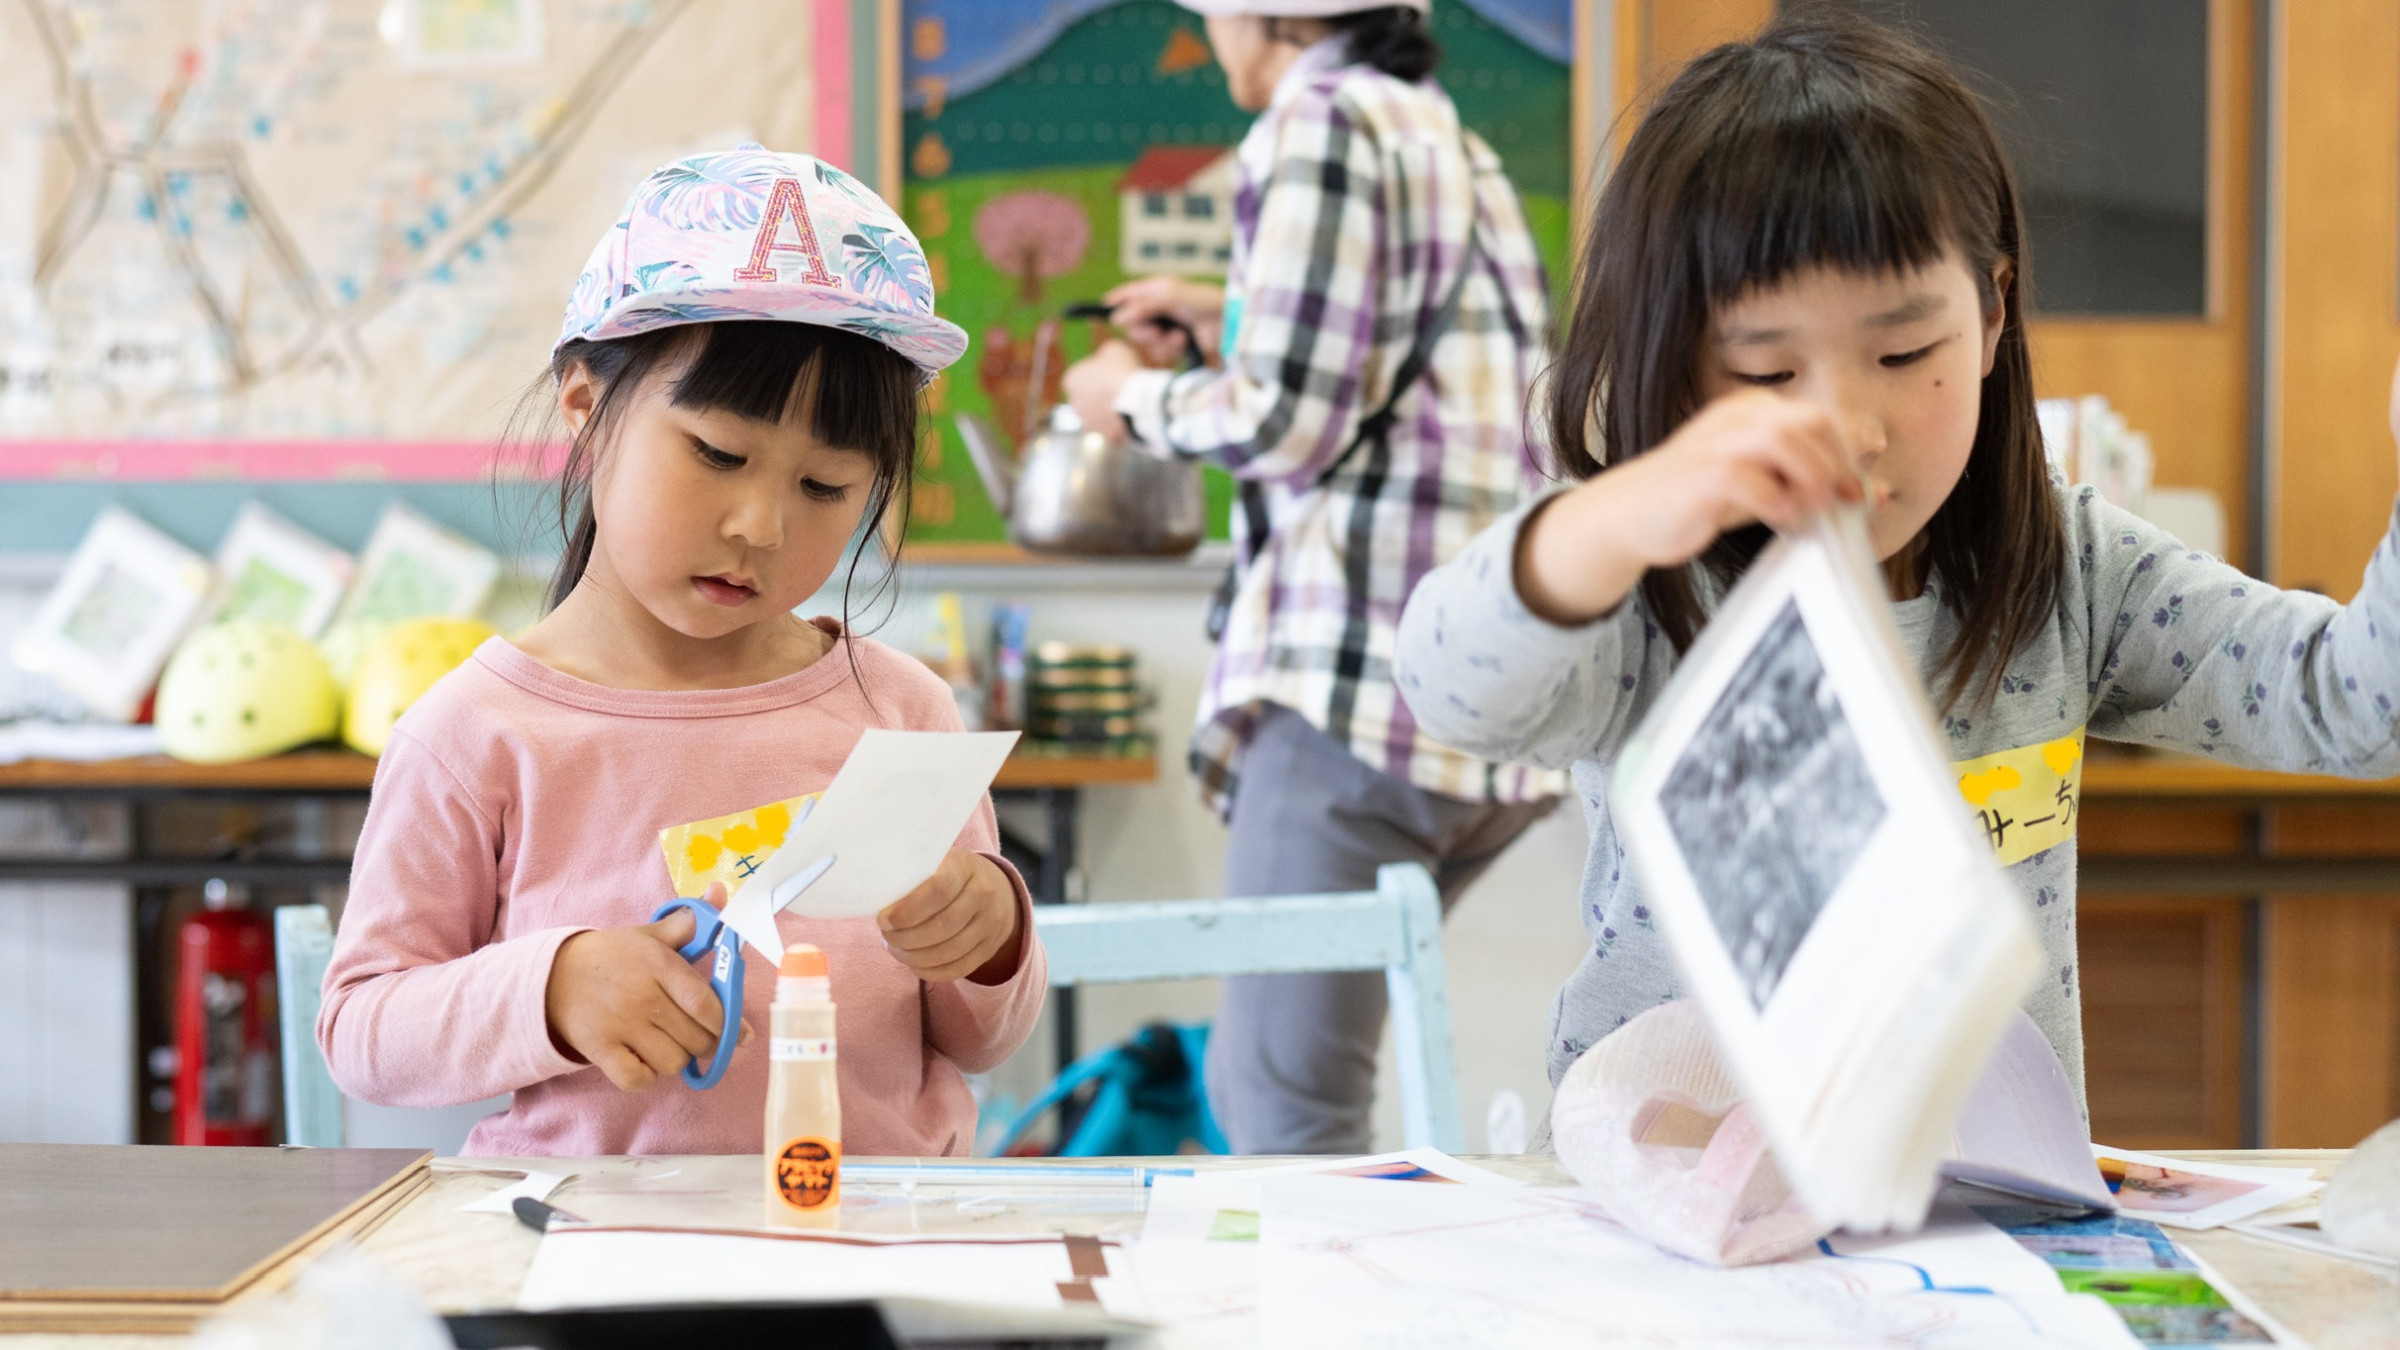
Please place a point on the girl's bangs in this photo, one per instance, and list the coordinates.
(1834, 184)
(771, 372)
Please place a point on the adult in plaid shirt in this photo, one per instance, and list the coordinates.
(1384, 321)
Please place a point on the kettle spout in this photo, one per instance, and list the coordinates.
(992, 462)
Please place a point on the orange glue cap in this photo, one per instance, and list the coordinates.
(800, 959)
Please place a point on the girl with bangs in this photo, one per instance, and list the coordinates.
(1805, 285)
(738, 378)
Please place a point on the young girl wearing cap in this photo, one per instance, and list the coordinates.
(1804, 285)
(739, 374)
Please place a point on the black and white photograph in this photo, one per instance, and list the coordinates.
(1771, 802)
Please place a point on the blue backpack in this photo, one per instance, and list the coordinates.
(1147, 1099)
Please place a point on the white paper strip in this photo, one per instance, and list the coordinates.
(535, 1186)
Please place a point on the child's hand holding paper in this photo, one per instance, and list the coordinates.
(888, 821)
(961, 923)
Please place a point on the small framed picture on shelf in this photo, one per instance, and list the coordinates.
(272, 570)
(106, 630)
(413, 567)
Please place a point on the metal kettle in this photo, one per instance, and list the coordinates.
(1077, 494)
(1074, 493)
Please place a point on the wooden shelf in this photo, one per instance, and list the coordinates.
(2120, 776)
(299, 771)
(346, 771)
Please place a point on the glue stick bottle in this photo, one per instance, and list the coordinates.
(804, 1104)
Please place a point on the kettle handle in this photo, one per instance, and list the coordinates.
(1193, 357)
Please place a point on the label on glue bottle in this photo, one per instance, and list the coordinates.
(808, 1173)
(789, 1049)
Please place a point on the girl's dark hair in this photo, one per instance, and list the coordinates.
(1391, 38)
(758, 369)
(1821, 142)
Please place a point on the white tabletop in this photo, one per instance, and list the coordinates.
(463, 1262)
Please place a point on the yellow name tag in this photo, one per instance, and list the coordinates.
(728, 848)
(2026, 798)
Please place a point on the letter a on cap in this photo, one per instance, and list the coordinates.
(786, 201)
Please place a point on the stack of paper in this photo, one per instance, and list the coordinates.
(1309, 1258)
(1831, 905)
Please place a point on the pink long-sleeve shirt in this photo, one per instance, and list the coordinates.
(517, 806)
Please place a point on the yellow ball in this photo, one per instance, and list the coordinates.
(399, 666)
(244, 689)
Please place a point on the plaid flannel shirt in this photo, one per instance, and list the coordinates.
(1356, 195)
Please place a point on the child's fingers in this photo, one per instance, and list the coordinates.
(624, 1068)
(939, 927)
(689, 994)
(1803, 441)
(657, 1050)
(949, 950)
(698, 1041)
(927, 900)
(1751, 492)
(1806, 450)
(1800, 475)
(674, 930)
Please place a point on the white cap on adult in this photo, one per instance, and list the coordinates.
(1298, 9)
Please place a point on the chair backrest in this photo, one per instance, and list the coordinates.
(1397, 928)
(312, 1105)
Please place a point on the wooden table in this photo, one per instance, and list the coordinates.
(462, 1262)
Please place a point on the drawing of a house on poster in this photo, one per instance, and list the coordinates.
(1175, 211)
(1055, 148)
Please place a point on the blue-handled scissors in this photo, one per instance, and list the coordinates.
(710, 933)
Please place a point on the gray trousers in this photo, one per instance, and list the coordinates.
(1291, 1061)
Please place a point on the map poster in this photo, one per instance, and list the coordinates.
(312, 239)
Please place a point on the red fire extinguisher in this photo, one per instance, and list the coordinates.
(225, 1025)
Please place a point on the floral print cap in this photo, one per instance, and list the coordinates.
(748, 233)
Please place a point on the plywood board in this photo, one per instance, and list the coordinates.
(114, 1226)
(144, 1317)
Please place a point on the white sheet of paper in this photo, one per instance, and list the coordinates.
(1346, 1262)
(1956, 1249)
(2022, 1128)
(1201, 1278)
(536, 1186)
(1404, 1165)
(577, 1267)
(889, 816)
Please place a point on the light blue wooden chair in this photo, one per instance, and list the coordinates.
(312, 1105)
(1395, 928)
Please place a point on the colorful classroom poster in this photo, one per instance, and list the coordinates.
(1056, 147)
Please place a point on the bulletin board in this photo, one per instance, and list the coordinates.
(1033, 132)
(326, 244)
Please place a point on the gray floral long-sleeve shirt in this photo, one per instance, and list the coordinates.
(2151, 643)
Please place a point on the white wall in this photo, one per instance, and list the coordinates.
(66, 1002)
